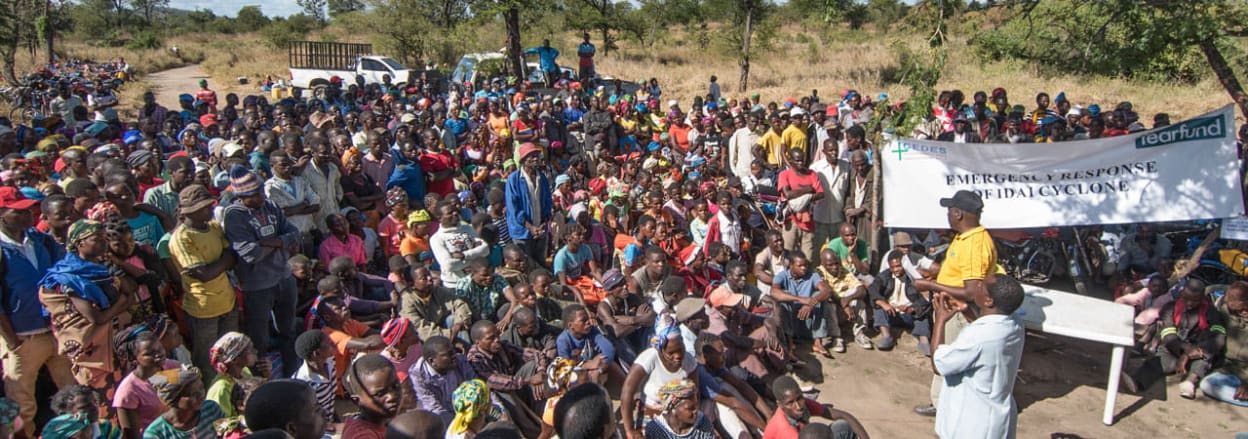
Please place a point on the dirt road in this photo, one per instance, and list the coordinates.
(168, 84)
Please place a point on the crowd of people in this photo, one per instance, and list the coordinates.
(402, 261)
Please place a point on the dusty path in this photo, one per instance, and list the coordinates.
(168, 84)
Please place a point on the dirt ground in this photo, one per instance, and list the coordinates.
(1060, 394)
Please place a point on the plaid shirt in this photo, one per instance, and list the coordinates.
(500, 370)
(484, 300)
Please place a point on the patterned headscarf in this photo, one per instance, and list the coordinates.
(66, 426)
(352, 152)
(395, 196)
(227, 349)
(394, 330)
(80, 230)
(675, 391)
(665, 329)
(104, 212)
(470, 401)
(561, 373)
(169, 383)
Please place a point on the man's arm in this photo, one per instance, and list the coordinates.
(854, 425)
(242, 238)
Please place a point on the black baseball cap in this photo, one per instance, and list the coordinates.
(965, 200)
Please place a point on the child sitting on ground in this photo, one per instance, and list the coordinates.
(348, 335)
(1148, 302)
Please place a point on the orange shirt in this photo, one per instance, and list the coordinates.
(351, 329)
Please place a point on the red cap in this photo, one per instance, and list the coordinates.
(11, 198)
(528, 148)
(208, 120)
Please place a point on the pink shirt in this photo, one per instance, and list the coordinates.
(332, 247)
(390, 232)
(137, 394)
(1148, 308)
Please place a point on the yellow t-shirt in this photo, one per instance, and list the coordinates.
(793, 137)
(193, 248)
(772, 147)
(971, 256)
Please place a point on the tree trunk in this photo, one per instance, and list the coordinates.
(514, 53)
(49, 31)
(1226, 75)
(606, 44)
(745, 48)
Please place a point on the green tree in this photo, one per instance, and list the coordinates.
(748, 27)
(338, 7)
(149, 8)
(313, 8)
(1153, 40)
(17, 30)
(251, 18)
(603, 16)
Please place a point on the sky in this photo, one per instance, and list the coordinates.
(230, 8)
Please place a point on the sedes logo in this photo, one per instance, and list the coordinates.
(1195, 129)
(928, 151)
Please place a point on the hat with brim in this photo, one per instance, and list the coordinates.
(12, 198)
(724, 297)
(194, 198)
(964, 200)
(902, 238)
(527, 149)
(689, 307)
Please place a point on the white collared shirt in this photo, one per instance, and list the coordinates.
(27, 246)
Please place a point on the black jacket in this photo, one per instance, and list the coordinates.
(883, 286)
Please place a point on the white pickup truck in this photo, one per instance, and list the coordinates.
(313, 63)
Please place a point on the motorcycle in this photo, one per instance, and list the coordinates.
(1032, 259)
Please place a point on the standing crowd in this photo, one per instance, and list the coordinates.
(415, 260)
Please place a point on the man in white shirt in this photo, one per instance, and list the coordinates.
(454, 244)
(741, 146)
(830, 210)
(979, 368)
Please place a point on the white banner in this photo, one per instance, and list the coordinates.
(1185, 171)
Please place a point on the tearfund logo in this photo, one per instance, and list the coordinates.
(1195, 129)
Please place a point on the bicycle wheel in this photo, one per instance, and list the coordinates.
(19, 115)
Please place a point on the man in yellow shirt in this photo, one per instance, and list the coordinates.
(770, 143)
(971, 257)
(200, 250)
(794, 137)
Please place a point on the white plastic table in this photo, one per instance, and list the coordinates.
(1087, 318)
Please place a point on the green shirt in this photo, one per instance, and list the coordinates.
(209, 413)
(838, 246)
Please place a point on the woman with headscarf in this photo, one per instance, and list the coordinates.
(403, 348)
(680, 417)
(190, 415)
(232, 357)
(86, 308)
(561, 374)
(137, 266)
(473, 410)
(665, 361)
(358, 189)
(68, 426)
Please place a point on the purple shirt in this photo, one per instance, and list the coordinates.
(434, 390)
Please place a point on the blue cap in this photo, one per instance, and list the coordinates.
(186, 97)
(1094, 109)
(132, 137)
(653, 146)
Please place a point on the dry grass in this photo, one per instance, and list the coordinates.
(799, 60)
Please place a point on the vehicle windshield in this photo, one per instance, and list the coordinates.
(394, 65)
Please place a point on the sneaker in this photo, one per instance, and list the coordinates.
(887, 343)
(925, 349)
(927, 410)
(863, 341)
(838, 346)
(1187, 389)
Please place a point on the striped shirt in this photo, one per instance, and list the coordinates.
(323, 385)
(209, 413)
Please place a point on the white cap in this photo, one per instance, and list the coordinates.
(230, 149)
(672, 103)
(797, 111)
(407, 118)
(1074, 112)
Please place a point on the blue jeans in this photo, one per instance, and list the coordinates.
(815, 326)
(1221, 386)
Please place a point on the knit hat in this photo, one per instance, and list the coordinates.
(243, 182)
